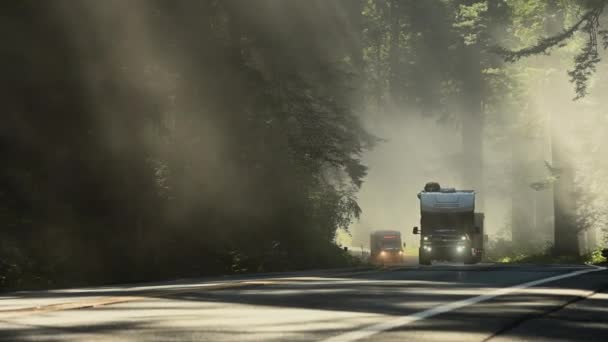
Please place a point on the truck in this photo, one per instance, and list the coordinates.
(450, 229)
(385, 247)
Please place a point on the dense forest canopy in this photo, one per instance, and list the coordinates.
(156, 139)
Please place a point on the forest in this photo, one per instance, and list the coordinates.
(157, 139)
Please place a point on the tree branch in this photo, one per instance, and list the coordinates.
(544, 44)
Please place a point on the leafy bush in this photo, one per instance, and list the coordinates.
(503, 251)
(596, 257)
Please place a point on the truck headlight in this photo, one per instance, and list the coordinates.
(464, 237)
(425, 238)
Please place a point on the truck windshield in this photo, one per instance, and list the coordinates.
(446, 222)
(393, 243)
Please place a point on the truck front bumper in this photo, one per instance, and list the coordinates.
(447, 252)
(389, 257)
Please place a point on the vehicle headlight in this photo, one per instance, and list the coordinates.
(383, 253)
(460, 248)
(464, 237)
(425, 238)
(400, 252)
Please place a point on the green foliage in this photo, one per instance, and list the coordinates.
(587, 58)
(596, 257)
(213, 142)
(504, 251)
(528, 19)
(470, 21)
(584, 65)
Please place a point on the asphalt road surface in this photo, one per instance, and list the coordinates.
(443, 302)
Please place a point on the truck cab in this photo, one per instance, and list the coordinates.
(450, 230)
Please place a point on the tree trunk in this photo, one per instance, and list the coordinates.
(566, 235)
(564, 209)
(394, 51)
(521, 220)
(472, 124)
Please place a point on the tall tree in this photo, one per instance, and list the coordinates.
(566, 237)
(566, 230)
(179, 131)
(471, 19)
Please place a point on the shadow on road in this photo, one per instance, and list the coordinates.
(378, 295)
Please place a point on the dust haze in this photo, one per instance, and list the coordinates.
(415, 149)
(517, 153)
(255, 136)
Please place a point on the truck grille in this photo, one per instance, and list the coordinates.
(446, 205)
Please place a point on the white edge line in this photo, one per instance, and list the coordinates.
(404, 320)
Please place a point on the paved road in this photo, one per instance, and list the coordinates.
(436, 303)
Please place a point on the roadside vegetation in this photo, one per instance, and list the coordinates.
(503, 251)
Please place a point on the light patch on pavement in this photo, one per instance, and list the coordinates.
(405, 320)
(347, 281)
(601, 296)
(103, 301)
(10, 307)
(156, 319)
(557, 292)
(288, 292)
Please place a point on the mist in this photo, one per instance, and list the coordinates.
(418, 150)
(254, 136)
(522, 128)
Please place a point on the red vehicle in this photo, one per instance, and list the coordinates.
(386, 247)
